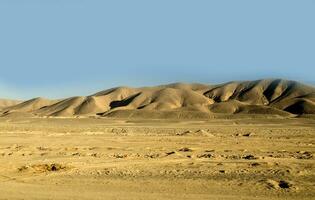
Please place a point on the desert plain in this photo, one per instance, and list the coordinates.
(157, 159)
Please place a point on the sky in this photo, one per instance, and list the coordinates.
(60, 48)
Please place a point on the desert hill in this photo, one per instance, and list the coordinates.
(8, 102)
(283, 95)
(270, 96)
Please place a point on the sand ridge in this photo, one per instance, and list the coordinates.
(269, 96)
(4, 103)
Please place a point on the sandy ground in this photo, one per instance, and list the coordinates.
(156, 159)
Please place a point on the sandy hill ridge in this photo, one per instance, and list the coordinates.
(248, 96)
(271, 96)
(8, 102)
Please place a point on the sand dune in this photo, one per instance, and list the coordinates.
(30, 105)
(270, 96)
(8, 102)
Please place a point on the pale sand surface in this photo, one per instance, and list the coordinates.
(157, 159)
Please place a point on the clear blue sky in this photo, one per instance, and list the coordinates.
(57, 48)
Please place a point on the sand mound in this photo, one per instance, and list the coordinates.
(4, 103)
(273, 96)
(15, 114)
(180, 100)
(237, 107)
(301, 107)
(30, 105)
(165, 99)
(260, 92)
(154, 114)
(66, 107)
(228, 107)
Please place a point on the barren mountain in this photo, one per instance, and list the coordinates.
(271, 96)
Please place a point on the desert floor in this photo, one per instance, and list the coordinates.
(49, 158)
